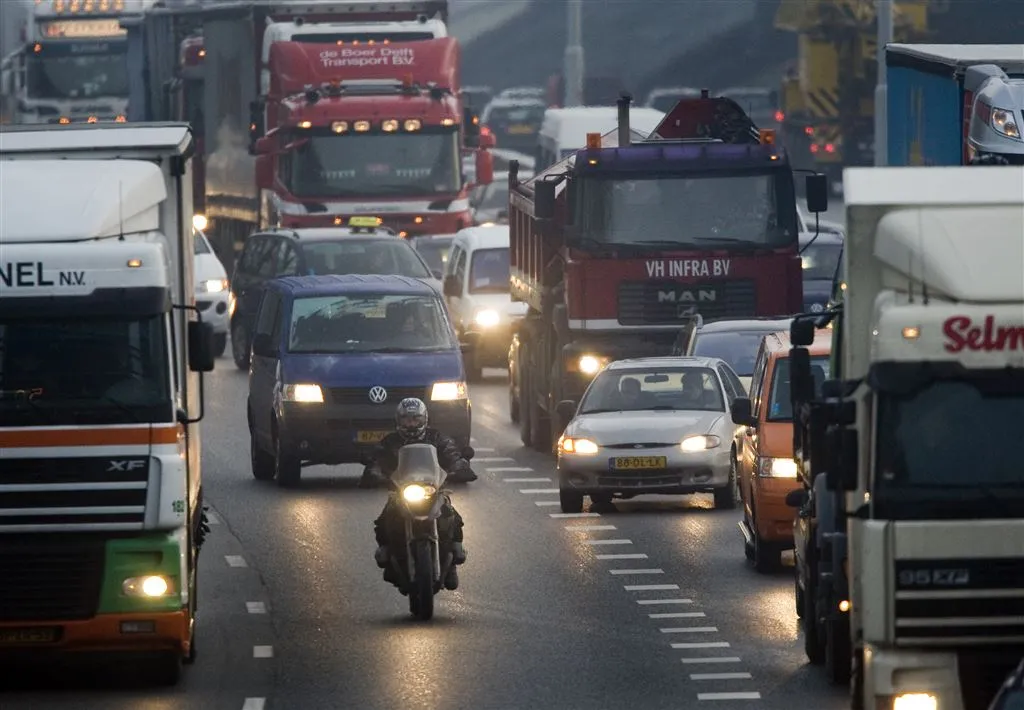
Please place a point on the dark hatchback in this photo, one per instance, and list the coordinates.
(332, 357)
(515, 122)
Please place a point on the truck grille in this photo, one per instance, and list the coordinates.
(664, 302)
(56, 581)
(947, 602)
(361, 395)
(96, 493)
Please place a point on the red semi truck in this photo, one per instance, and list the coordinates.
(617, 249)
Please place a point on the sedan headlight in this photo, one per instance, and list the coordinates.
(151, 586)
(487, 318)
(213, 286)
(448, 391)
(302, 393)
(915, 701)
(416, 493)
(1003, 122)
(701, 442)
(584, 447)
(776, 468)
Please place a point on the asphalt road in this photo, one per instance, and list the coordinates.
(652, 607)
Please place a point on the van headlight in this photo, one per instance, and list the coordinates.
(487, 318)
(302, 393)
(213, 286)
(776, 468)
(448, 391)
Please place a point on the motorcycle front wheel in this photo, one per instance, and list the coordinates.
(421, 596)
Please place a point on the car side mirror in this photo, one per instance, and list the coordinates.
(817, 193)
(468, 452)
(742, 412)
(450, 286)
(262, 346)
(200, 347)
(797, 498)
(566, 409)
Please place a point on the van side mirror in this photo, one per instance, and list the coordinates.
(797, 498)
(544, 199)
(841, 474)
(566, 409)
(742, 412)
(817, 193)
(801, 332)
(450, 286)
(801, 381)
(200, 347)
(262, 345)
(484, 167)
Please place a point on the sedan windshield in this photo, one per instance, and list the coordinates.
(820, 261)
(94, 371)
(369, 323)
(348, 256)
(738, 348)
(652, 389)
(374, 164)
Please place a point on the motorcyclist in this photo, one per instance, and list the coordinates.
(411, 428)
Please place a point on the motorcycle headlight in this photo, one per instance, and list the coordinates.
(416, 493)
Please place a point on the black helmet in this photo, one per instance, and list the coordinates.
(411, 419)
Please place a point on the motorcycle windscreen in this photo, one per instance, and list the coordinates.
(417, 463)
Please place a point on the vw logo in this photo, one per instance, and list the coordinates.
(817, 308)
(378, 395)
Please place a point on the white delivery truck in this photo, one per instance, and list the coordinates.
(922, 431)
(101, 355)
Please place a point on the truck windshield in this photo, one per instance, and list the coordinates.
(368, 323)
(75, 371)
(944, 444)
(754, 210)
(57, 73)
(489, 272)
(375, 165)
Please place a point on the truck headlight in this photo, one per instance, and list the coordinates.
(200, 222)
(591, 364)
(487, 318)
(915, 701)
(213, 286)
(151, 586)
(776, 468)
(700, 442)
(1003, 122)
(302, 393)
(448, 391)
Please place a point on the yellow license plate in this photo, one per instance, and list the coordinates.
(520, 129)
(637, 463)
(370, 437)
(39, 634)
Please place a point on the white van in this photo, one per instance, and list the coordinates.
(477, 291)
(212, 291)
(565, 130)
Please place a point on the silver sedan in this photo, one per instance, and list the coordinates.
(650, 425)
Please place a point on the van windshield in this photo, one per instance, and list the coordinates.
(367, 323)
(780, 408)
(490, 271)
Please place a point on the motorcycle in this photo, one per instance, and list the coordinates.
(418, 482)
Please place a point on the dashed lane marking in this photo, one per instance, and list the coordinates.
(262, 651)
(711, 659)
(212, 518)
(546, 502)
(483, 450)
(706, 644)
(561, 516)
(729, 696)
(492, 459)
(527, 480)
(651, 587)
(254, 704)
(690, 630)
(235, 561)
(678, 615)
(637, 571)
(256, 607)
(720, 676)
(591, 527)
(538, 491)
(509, 469)
(608, 542)
(651, 602)
(626, 556)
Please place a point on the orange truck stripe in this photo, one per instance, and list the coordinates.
(90, 436)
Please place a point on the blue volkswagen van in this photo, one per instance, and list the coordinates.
(332, 356)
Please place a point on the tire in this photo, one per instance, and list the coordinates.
(837, 651)
(813, 647)
(525, 427)
(220, 344)
(798, 593)
(263, 466)
(474, 373)
(240, 344)
(767, 555)
(540, 430)
(193, 607)
(857, 681)
(423, 583)
(725, 498)
(570, 500)
(287, 466)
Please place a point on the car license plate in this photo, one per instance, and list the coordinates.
(370, 437)
(35, 634)
(520, 129)
(638, 463)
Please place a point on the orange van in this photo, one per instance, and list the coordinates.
(765, 470)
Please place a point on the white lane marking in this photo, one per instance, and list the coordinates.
(637, 571)
(574, 515)
(728, 696)
(256, 607)
(492, 459)
(235, 561)
(648, 602)
(627, 556)
(720, 676)
(262, 651)
(608, 542)
(690, 630)
(526, 480)
(707, 644)
(254, 704)
(546, 502)
(538, 491)
(651, 587)
(212, 518)
(510, 469)
(591, 527)
(711, 659)
(483, 449)
(678, 615)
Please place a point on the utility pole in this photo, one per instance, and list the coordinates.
(572, 72)
(883, 11)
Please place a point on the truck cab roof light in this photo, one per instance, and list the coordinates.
(413, 124)
(134, 263)
(593, 140)
(389, 125)
(362, 126)
(339, 126)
